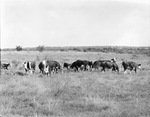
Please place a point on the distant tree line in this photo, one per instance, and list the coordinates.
(104, 49)
(39, 48)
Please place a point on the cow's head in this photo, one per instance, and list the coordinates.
(114, 59)
(139, 66)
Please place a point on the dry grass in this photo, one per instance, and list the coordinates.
(83, 94)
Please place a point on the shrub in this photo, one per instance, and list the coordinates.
(19, 48)
(40, 48)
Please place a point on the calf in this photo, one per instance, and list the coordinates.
(29, 66)
(130, 65)
(66, 65)
(5, 65)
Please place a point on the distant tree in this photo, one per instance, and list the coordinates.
(19, 48)
(40, 48)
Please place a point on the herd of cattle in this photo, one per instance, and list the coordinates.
(48, 66)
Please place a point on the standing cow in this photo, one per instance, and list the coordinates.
(110, 65)
(106, 64)
(42, 66)
(47, 66)
(81, 64)
(130, 65)
(29, 66)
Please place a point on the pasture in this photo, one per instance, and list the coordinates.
(73, 94)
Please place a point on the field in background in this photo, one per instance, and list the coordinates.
(83, 94)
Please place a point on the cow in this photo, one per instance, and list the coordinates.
(130, 65)
(96, 65)
(81, 64)
(29, 66)
(88, 65)
(52, 66)
(66, 65)
(109, 64)
(42, 66)
(5, 65)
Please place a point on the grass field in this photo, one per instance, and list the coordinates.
(71, 94)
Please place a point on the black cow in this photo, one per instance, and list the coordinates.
(109, 65)
(88, 65)
(130, 65)
(52, 66)
(5, 65)
(42, 65)
(30, 66)
(97, 64)
(66, 65)
(81, 64)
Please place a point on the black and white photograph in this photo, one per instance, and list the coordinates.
(75, 58)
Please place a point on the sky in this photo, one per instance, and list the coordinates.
(30, 23)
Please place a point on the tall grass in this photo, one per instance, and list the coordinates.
(74, 94)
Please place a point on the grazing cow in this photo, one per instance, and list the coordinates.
(52, 66)
(81, 64)
(130, 65)
(66, 65)
(42, 66)
(29, 66)
(109, 65)
(88, 65)
(5, 65)
(96, 65)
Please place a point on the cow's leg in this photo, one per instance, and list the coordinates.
(103, 69)
(7, 67)
(113, 69)
(42, 70)
(26, 70)
(135, 70)
(50, 70)
(56, 70)
(33, 70)
(76, 69)
(125, 71)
